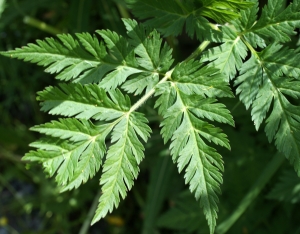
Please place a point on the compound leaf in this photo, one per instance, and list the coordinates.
(152, 56)
(203, 165)
(122, 160)
(276, 22)
(148, 46)
(228, 57)
(193, 78)
(65, 56)
(69, 128)
(83, 101)
(264, 82)
(83, 59)
(183, 125)
(76, 161)
(170, 17)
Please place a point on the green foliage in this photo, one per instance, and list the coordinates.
(287, 189)
(2, 6)
(183, 125)
(269, 75)
(184, 216)
(107, 80)
(170, 18)
(77, 158)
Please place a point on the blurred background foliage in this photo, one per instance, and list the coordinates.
(159, 202)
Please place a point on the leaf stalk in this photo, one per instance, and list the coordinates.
(265, 176)
(195, 54)
(198, 51)
(87, 222)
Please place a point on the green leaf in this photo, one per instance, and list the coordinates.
(141, 82)
(185, 215)
(263, 84)
(113, 67)
(122, 160)
(276, 59)
(152, 56)
(249, 82)
(245, 23)
(209, 109)
(287, 189)
(86, 60)
(170, 17)
(148, 46)
(174, 116)
(167, 95)
(75, 162)
(137, 62)
(222, 11)
(203, 177)
(277, 23)
(283, 125)
(193, 78)
(122, 54)
(203, 165)
(228, 57)
(83, 101)
(65, 57)
(71, 129)
(282, 60)
(2, 6)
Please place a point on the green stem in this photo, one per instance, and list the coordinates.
(253, 51)
(139, 199)
(195, 54)
(12, 190)
(198, 51)
(41, 25)
(5, 154)
(87, 222)
(150, 93)
(265, 176)
(235, 106)
(18, 8)
(123, 11)
(2, 6)
(182, 6)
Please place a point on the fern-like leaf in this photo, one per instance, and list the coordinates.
(203, 164)
(265, 79)
(83, 101)
(244, 24)
(277, 23)
(228, 57)
(76, 161)
(65, 57)
(170, 17)
(71, 129)
(287, 188)
(122, 160)
(86, 60)
(193, 78)
(147, 44)
(183, 125)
